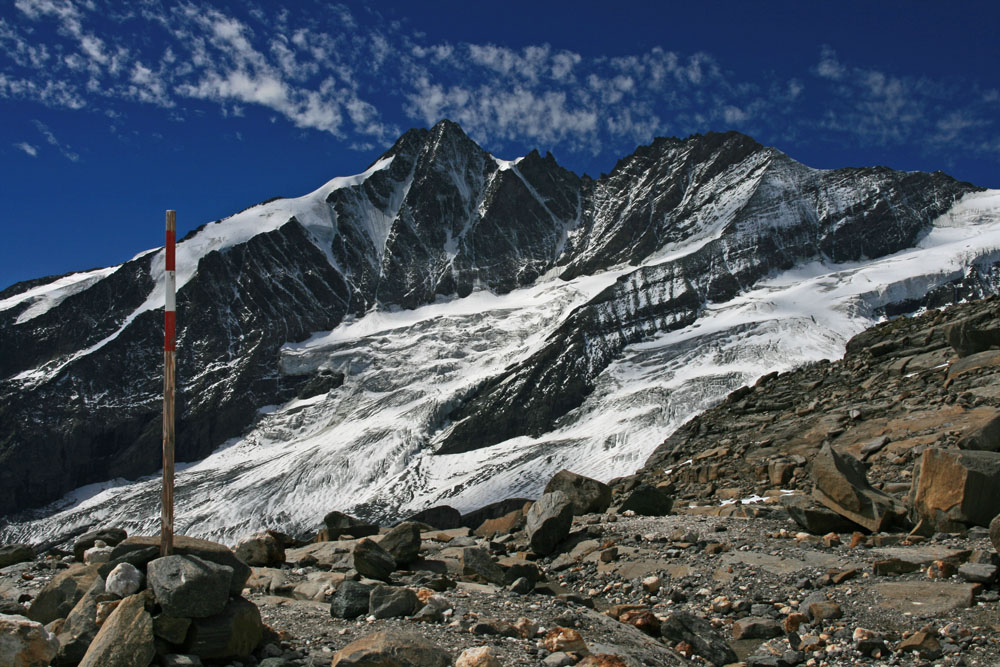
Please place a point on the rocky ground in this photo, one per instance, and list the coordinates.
(834, 515)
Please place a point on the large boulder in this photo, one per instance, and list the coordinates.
(391, 648)
(841, 484)
(371, 560)
(11, 554)
(80, 627)
(339, 524)
(350, 600)
(442, 517)
(815, 518)
(984, 436)
(475, 518)
(61, 594)
(234, 633)
(953, 489)
(260, 550)
(704, 639)
(477, 563)
(646, 500)
(973, 334)
(125, 639)
(392, 601)
(188, 586)
(548, 522)
(402, 542)
(192, 546)
(25, 643)
(110, 537)
(587, 495)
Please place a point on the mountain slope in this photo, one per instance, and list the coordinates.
(510, 316)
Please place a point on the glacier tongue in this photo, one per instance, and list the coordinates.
(367, 447)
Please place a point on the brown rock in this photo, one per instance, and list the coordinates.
(504, 525)
(125, 639)
(644, 620)
(923, 643)
(894, 566)
(954, 488)
(480, 656)
(62, 593)
(822, 611)
(260, 550)
(391, 649)
(793, 621)
(755, 627)
(25, 643)
(841, 485)
(566, 640)
(80, 627)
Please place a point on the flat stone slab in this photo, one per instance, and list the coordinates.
(922, 555)
(925, 598)
(327, 554)
(785, 564)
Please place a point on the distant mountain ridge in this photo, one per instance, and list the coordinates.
(675, 227)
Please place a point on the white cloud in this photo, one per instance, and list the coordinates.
(27, 148)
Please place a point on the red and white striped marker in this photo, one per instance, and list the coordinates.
(169, 346)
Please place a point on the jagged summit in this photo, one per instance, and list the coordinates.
(503, 314)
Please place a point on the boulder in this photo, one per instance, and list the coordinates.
(391, 648)
(171, 628)
(480, 656)
(983, 436)
(192, 546)
(80, 627)
(477, 563)
(339, 524)
(125, 580)
(841, 484)
(97, 554)
(392, 601)
(995, 532)
(754, 627)
(188, 586)
(260, 550)
(475, 518)
(442, 517)
(11, 554)
(351, 599)
(587, 495)
(372, 561)
(703, 638)
(646, 500)
(548, 522)
(110, 536)
(402, 542)
(232, 634)
(504, 525)
(126, 637)
(25, 643)
(953, 489)
(973, 334)
(61, 594)
(139, 558)
(815, 518)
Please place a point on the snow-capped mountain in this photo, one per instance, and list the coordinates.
(448, 327)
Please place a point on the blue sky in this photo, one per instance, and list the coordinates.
(113, 112)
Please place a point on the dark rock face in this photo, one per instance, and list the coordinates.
(548, 522)
(82, 404)
(587, 495)
(351, 599)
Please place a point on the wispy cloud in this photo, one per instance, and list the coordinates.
(357, 77)
(27, 148)
(50, 138)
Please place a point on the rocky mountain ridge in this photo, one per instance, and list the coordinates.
(675, 230)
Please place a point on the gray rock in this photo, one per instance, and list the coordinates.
(184, 545)
(548, 522)
(587, 495)
(477, 563)
(350, 600)
(260, 550)
(402, 542)
(699, 633)
(125, 580)
(11, 554)
(442, 517)
(189, 586)
(339, 524)
(842, 485)
(80, 627)
(979, 573)
(754, 627)
(522, 586)
(171, 628)
(110, 536)
(61, 594)
(232, 634)
(646, 500)
(391, 602)
(371, 560)
(815, 518)
(433, 610)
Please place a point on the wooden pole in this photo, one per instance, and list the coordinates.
(169, 347)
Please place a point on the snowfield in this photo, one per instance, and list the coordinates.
(368, 446)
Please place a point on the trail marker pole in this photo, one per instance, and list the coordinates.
(169, 347)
